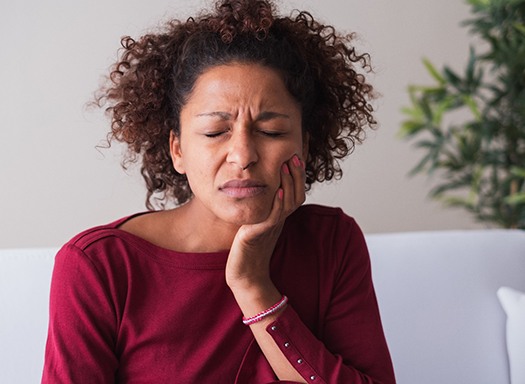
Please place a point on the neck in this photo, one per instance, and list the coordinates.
(200, 232)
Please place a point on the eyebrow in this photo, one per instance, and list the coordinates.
(263, 116)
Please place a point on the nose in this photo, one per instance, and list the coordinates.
(242, 150)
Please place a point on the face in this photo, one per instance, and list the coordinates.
(238, 128)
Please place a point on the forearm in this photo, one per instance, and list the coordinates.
(254, 301)
(296, 354)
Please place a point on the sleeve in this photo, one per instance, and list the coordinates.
(82, 323)
(352, 348)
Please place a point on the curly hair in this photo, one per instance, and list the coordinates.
(155, 74)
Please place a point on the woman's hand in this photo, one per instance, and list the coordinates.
(249, 259)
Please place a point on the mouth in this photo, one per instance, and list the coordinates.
(242, 188)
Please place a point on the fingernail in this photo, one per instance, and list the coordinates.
(286, 169)
(280, 192)
(296, 161)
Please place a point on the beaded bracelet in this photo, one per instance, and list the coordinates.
(258, 317)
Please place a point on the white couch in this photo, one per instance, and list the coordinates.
(437, 295)
(436, 290)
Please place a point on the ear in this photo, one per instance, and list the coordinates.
(176, 153)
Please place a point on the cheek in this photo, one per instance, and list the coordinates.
(284, 155)
(291, 149)
(197, 168)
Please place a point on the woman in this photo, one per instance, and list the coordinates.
(234, 114)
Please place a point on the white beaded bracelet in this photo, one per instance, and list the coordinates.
(258, 317)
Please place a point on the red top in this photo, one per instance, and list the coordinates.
(123, 310)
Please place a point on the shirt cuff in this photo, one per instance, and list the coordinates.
(294, 339)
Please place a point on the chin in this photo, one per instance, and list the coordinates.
(247, 216)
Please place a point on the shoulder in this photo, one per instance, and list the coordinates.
(99, 234)
(319, 216)
(321, 226)
(98, 251)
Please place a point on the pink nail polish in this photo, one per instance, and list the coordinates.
(280, 192)
(296, 161)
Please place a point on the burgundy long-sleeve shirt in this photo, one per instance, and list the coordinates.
(123, 310)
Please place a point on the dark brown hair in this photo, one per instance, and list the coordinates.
(151, 81)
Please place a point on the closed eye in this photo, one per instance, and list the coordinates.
(273, 134)
(214, 134)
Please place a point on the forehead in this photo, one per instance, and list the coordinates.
(240, 84)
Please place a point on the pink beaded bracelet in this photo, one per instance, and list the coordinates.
(258, 317)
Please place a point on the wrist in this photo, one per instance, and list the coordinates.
(249, 285)
(268, 313)
(256, 299)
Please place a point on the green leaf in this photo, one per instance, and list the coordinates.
(424, 163)
(471, 103)
(456, 201)
(409, 111)
(471, 67)
(520, 27)
(516, 199)
(479, 3)
(433, 71)
(452, 77)
(426, 109)
(426, 144)
(442, 106)
(411, 127)
(518, 172)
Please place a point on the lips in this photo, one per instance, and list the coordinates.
(242, 188)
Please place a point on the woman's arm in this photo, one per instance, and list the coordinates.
(81, 333)
(353, 349)
(247, 270)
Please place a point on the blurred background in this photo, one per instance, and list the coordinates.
(55, 182)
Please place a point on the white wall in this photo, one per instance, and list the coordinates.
(54, 52)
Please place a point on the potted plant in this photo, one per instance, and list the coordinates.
(480, 160)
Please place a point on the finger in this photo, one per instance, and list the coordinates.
(251, 233)
(287, 185)
(276, 213)
(299, 179)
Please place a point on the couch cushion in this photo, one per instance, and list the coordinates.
(25, 276)
(436, 293)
